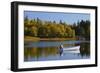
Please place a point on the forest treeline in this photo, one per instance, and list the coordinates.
(53, 29)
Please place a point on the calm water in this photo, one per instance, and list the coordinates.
(49, 50)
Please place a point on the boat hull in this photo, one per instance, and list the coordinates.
(72, 48)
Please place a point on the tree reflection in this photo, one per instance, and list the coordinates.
(38, 52)
(85, 49)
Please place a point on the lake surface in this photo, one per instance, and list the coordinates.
(49, 50)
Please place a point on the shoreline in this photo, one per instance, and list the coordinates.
(28, 38)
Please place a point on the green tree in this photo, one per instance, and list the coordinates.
(48, 29)
(34, 31)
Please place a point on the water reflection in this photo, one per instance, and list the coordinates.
(53, 53)
(85, 49)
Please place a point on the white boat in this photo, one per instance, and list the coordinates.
(74, 52)
(75, 48)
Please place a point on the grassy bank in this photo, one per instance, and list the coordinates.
(29, 38)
